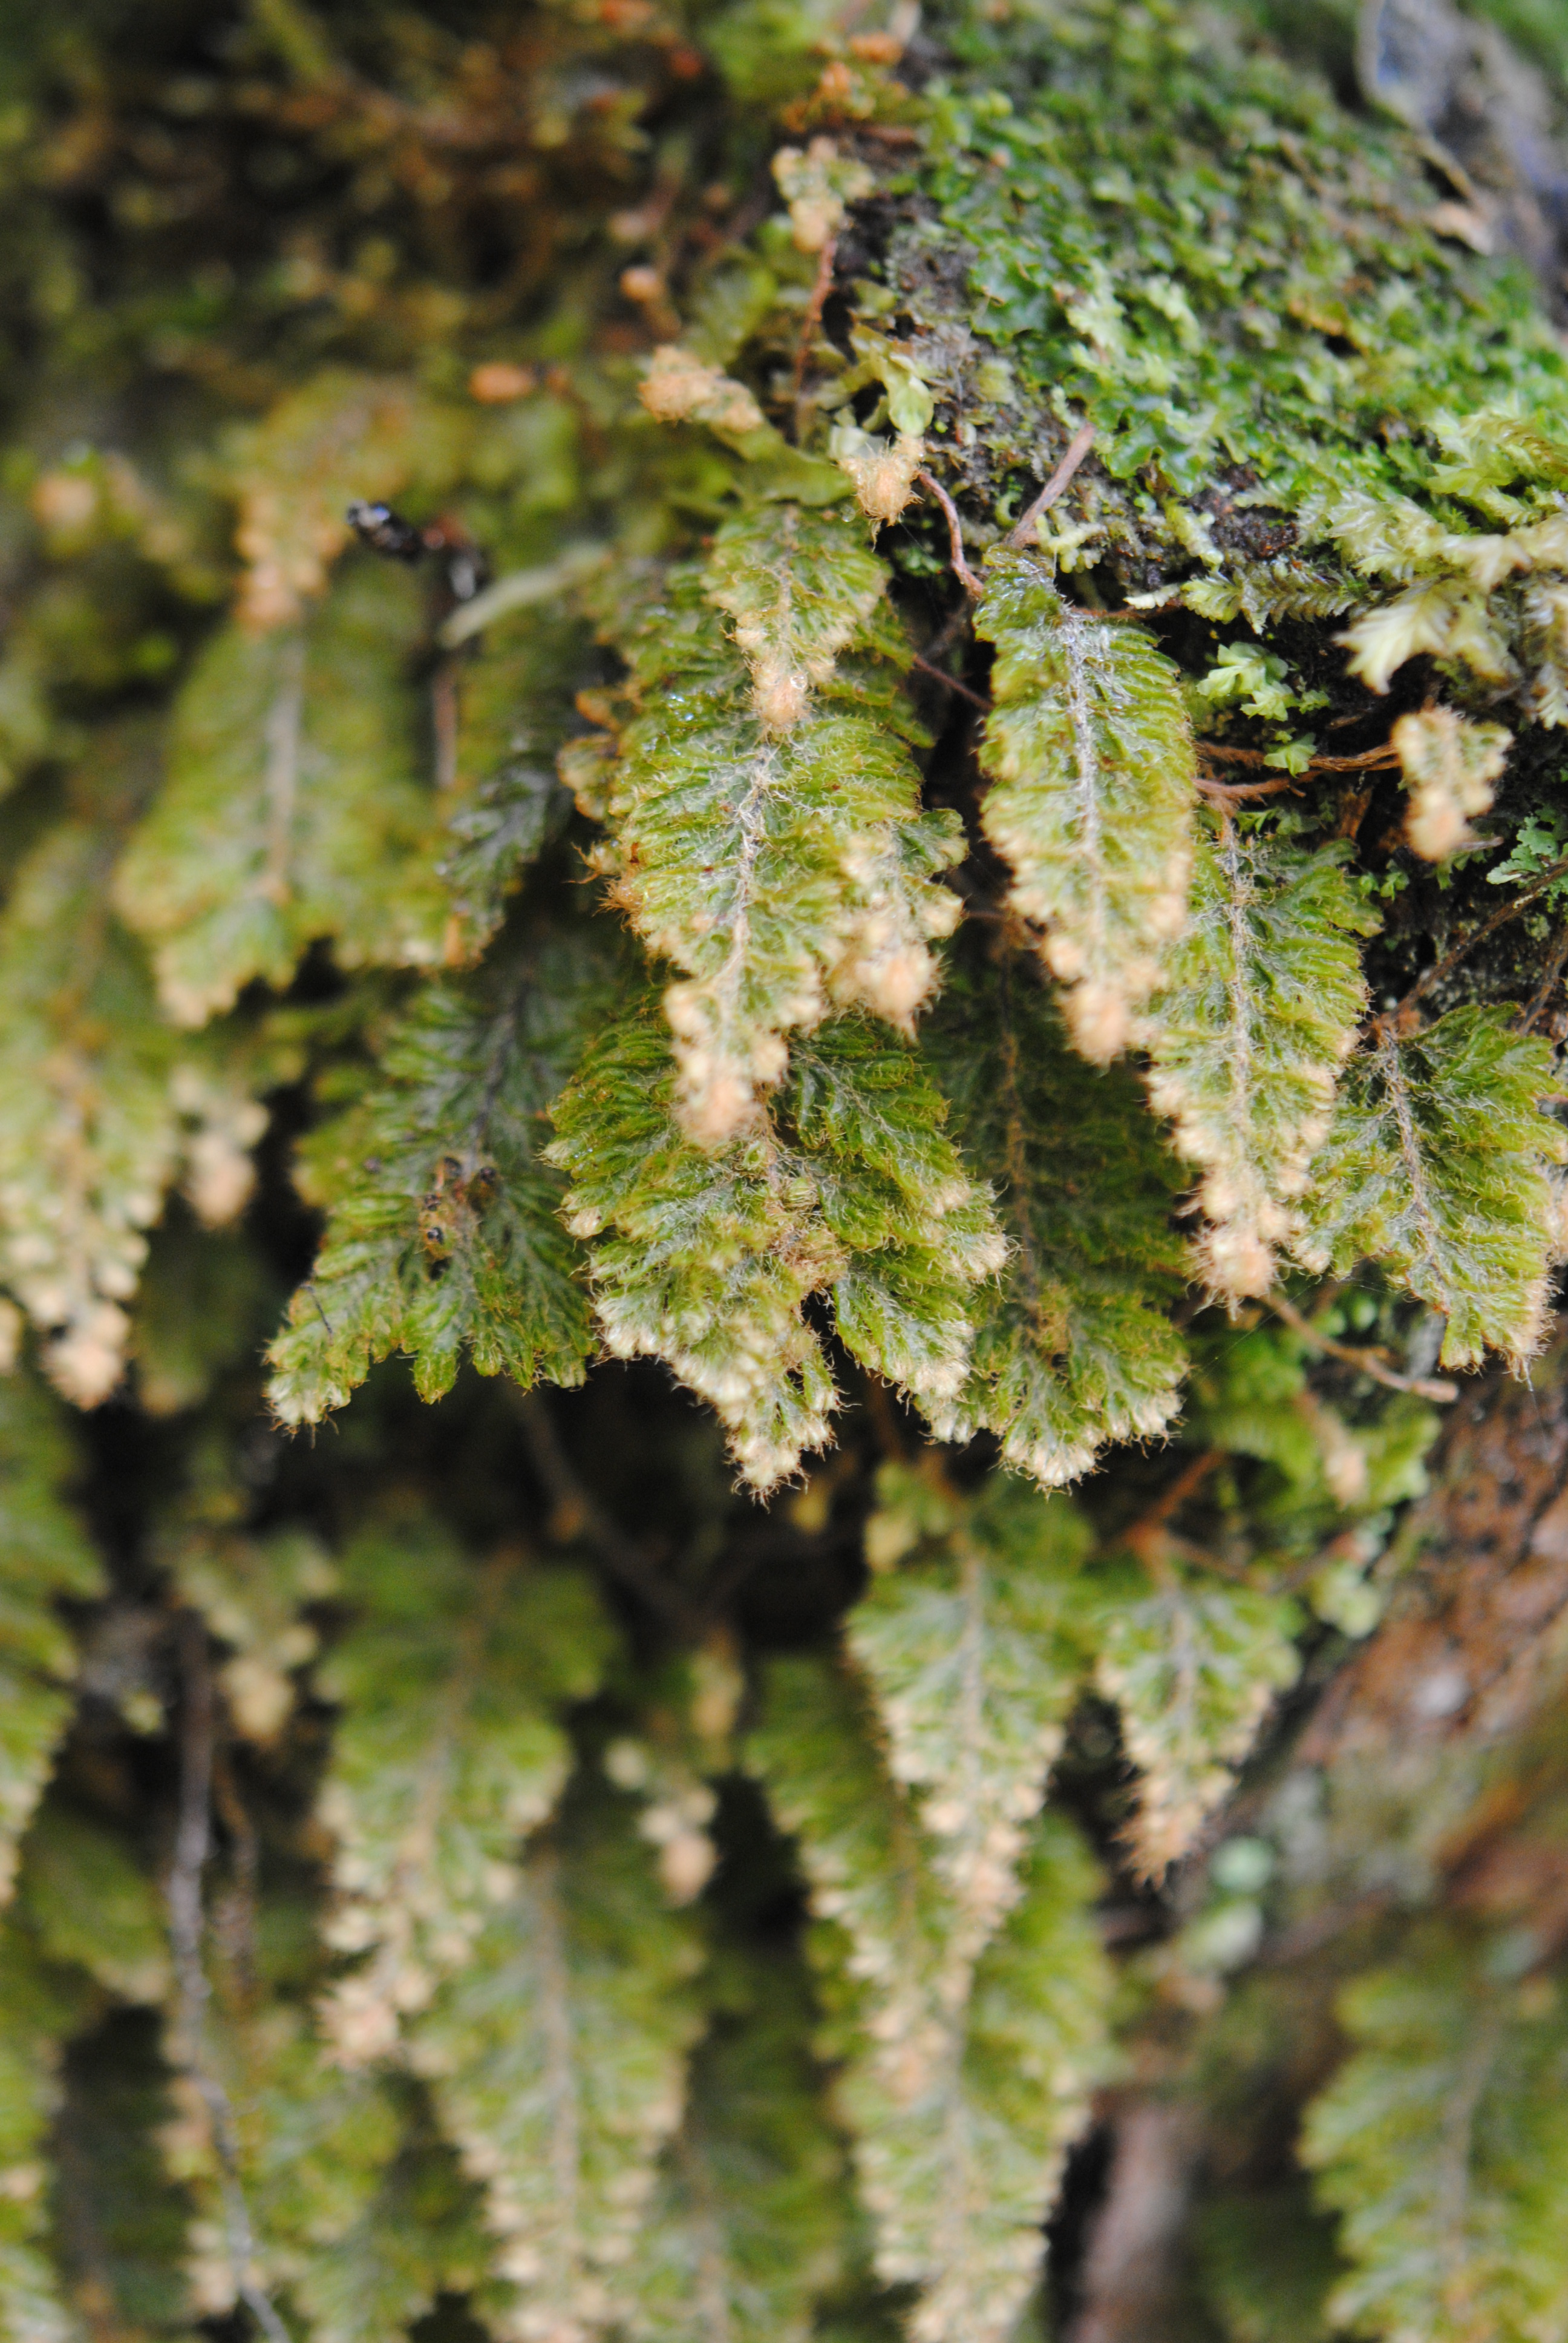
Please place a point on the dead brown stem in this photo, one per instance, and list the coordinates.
(820, 289)
(1078, 447)
(962, 570)
(1367, 1363)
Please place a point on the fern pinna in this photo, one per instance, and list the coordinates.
(769, 755)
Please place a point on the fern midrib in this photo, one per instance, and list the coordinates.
(1240, 896)
(1458, 2141)
(418, 1847)
(1410, 1150)
(281, 738)
(1092, 853)
(725, 984)
(561, 2095)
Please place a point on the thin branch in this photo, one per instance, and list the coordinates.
(1083, 440)
(953, 626)
(952, 681)
(1132, 2265)
(1305, 1938)
(1225, 754)
(962, 570)
(192, 1845)
(1141, 1535)
(1236, 793)
(1548, 984)
(444, 724)
(1366, 1363)
(623, 1557)
(820, 289)
(1391, 1019)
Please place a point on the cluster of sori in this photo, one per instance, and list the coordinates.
(808, 760)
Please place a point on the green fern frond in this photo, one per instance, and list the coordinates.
(447, 1753)
(37, 2011)
(1443, 2142)
(853, 1188)
(749, 2227)
(1259, 1012)
(443, 1234)
(1193, 1664)
(293, 809)
(46, 1555)
(1436, 1165)
(557, 2060)
(963, 2082)
(970, 1649)
(1091, 765)
(780, 859)
(1074, 1347)
(95, 1090)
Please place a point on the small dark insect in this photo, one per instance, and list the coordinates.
(385, 532)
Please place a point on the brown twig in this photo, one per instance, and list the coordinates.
(192, 1845)
(962, 570)
(1367, 1363)
(622, 1557)
(1391, 1019)
(1079, 445)
(1548, 984)
(952, 681)
(1139, 1534)
(1307, 1936)
(1223, 753)
(1132, 2265)
(1236, 793)
(821, 287)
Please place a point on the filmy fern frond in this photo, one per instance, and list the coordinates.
(37, 2011)
(784, 866)
(749, 2226)
(1246, 1038)
(294, 808)
(434, 1786)
(443, 1234)
(851, 1188)
(101, 1106)
(970, 1652)
(963, 2082)
(1073, 1346)
(1193, 1664)
(1436, 1165)
(1443, 2142)
(556, 2059)
(1091, 764)
(46, 1555)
